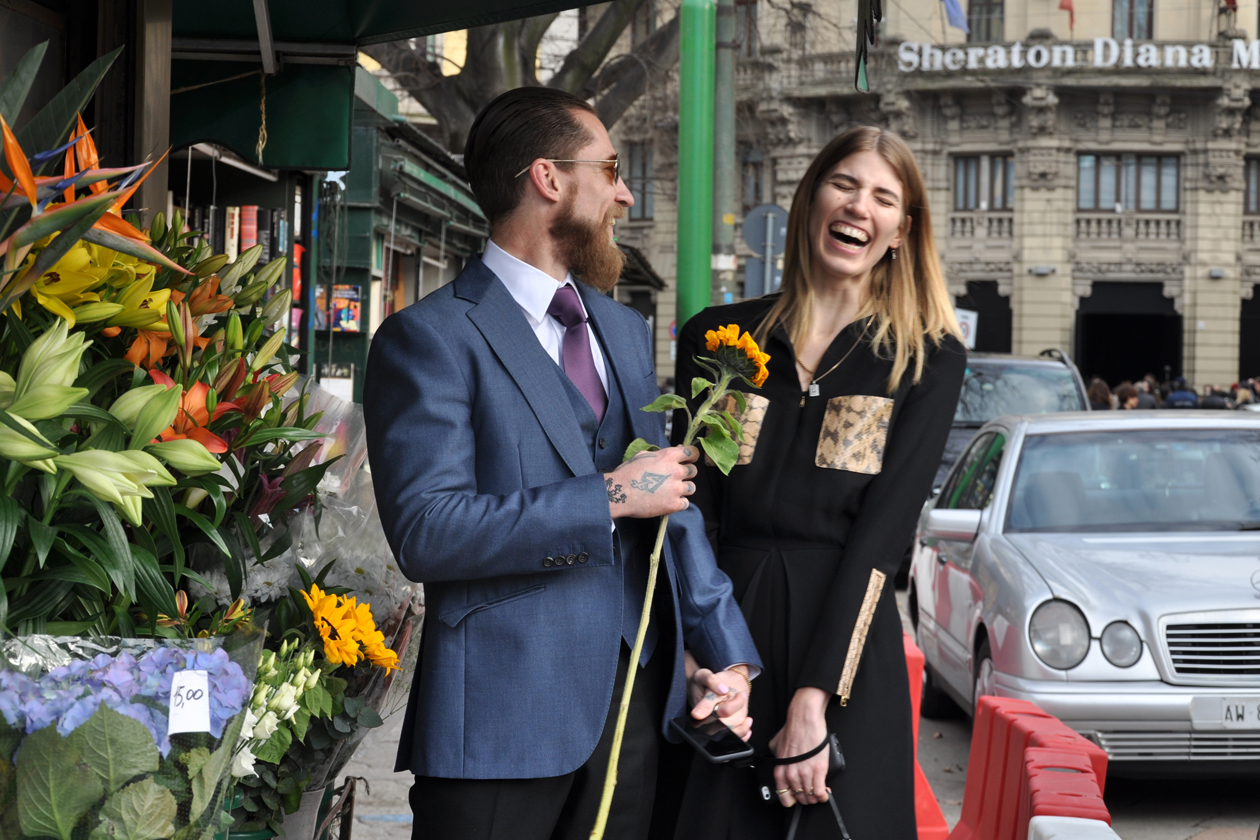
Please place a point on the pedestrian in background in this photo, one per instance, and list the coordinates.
(1244, 400)
(1214, 398)
(1099, 395)
(1181, 396)
(1127, 396)
(1148, 391)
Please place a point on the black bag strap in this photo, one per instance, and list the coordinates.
(835, 809)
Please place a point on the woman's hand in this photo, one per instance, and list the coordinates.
(805, 781)
(710, 692)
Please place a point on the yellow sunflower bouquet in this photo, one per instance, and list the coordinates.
(736, 358)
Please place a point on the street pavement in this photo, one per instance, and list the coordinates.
(1140, 809)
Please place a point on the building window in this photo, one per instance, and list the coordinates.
(1251, 190)
(984, 18)
(1128, 182)
(1002, 182)
(746, 28)
(967, 183)
(639, 180)
(1131, 19)
(753, 163)
(643, 23)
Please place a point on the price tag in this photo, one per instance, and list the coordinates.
(190, 702)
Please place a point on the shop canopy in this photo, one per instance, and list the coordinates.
(236, 63)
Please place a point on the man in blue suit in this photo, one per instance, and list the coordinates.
(498, 409)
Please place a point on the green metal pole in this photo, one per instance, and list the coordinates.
(724, 177)
(695, 158)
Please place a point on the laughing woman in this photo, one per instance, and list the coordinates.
(841, 446)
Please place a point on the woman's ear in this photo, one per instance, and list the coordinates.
(903, 234)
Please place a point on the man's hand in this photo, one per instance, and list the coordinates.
(652, 484)
(710, 692)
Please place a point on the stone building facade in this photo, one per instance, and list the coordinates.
(1094, 183)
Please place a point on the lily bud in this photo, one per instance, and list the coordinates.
(157, 414)
(90, 313)
(107, 475)
(157, 229)
(235, 339)
(219, 341)
(268, 350)
(175, 324)
(280, 385)
(18, 447)
(229, 380)
(127, 407)
(258, 399)
(210, 265)
(254, 332)
(157, 475)
(7, 386)
(250, 295)
(44, 402)
(132, 509)
(284, 699)
(277, 306)
(186, 455)
(312, 680)
(52, 359)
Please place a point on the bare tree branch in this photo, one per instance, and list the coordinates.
(532, 32)
(629, 82)
(585, 59)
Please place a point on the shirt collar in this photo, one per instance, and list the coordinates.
(531, 288)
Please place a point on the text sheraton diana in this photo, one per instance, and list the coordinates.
(1106, 52)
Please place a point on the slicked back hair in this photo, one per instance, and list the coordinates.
(512, 132)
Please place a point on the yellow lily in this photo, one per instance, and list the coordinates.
(142, 307)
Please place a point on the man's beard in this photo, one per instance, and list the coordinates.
(586, 248)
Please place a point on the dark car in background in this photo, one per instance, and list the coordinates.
(999, 383)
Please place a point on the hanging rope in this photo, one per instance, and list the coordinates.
(262, 126)
(217, 82)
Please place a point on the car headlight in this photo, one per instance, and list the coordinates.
(1059, 634)
(1121, 644)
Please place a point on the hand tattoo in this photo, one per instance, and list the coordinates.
(650, 483)
(615, 496)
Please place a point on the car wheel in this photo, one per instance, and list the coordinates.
(984, 684)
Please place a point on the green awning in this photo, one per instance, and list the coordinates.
(356, 22)
(309, 110)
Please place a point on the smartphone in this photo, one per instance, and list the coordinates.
(716, 741)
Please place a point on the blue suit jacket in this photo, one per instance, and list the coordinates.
(481, 473)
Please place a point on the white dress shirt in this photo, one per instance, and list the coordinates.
(533, 290)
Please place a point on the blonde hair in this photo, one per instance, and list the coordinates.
(908, 297)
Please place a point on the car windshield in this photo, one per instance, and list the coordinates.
(990, 391)
(1146, 480)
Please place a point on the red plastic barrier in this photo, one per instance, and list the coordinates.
(1038, 762)
(927, 812)
(999, 798)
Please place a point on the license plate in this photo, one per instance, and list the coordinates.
(1240, 712)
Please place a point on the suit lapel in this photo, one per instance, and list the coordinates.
(500, 320)
(619, 349)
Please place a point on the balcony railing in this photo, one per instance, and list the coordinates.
(1121, 227)
(982, 224)
(1251, 232)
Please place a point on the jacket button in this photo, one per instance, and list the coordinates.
(571, 559)
(583, 557)
(603, 444)
(548, 561)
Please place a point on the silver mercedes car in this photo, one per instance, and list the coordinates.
(1105, 566)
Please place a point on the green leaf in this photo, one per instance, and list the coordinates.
(301, 720)
(737, 429)
(85, 569)
(160, 510)
(723, 451)
(141, 811)
(156, 592)
(14, 89)
(52, 125)
(42, 537)
(301, 484)
(55, 788)
(11, 516)
(42, 601)
(205, 526)
(205, 783)
(354, 705)
(120, 549)
(9, 739)
(118, 566)
(666, 402)
(636, 446)
(85, 411)
(369, 719)
(276, 745)
(280, 433)
(9, 828)
(698, 385)
(740, 401)
(234, 565)
(132, 248)
(212, 487)
(117, 748)
(100, 372)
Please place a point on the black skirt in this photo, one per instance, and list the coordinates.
(781, 592)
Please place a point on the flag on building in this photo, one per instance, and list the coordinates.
(958, 18)
(1066, 5)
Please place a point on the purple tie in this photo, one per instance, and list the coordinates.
(579, 364)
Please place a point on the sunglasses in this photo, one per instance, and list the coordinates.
(615, 167)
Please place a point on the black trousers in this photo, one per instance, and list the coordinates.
(561, 807)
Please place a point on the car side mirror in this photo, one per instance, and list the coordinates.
(952, 525)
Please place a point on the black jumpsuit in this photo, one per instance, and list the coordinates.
(828, 488)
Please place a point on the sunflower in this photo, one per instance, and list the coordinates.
(336, 624)
(738, 354)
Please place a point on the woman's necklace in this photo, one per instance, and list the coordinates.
(813, 385)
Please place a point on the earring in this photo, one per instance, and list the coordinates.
(894, 252)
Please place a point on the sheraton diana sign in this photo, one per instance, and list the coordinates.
(1104, 54)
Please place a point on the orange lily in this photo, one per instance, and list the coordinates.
(192, 418)
(149, 348)
(205, 299)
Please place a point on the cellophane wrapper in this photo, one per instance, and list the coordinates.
(85, 751)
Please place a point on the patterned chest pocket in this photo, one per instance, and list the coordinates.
(751, 420)
(854, 434)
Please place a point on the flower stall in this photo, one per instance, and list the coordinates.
(199, 617)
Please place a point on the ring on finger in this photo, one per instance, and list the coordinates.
(783, 792)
